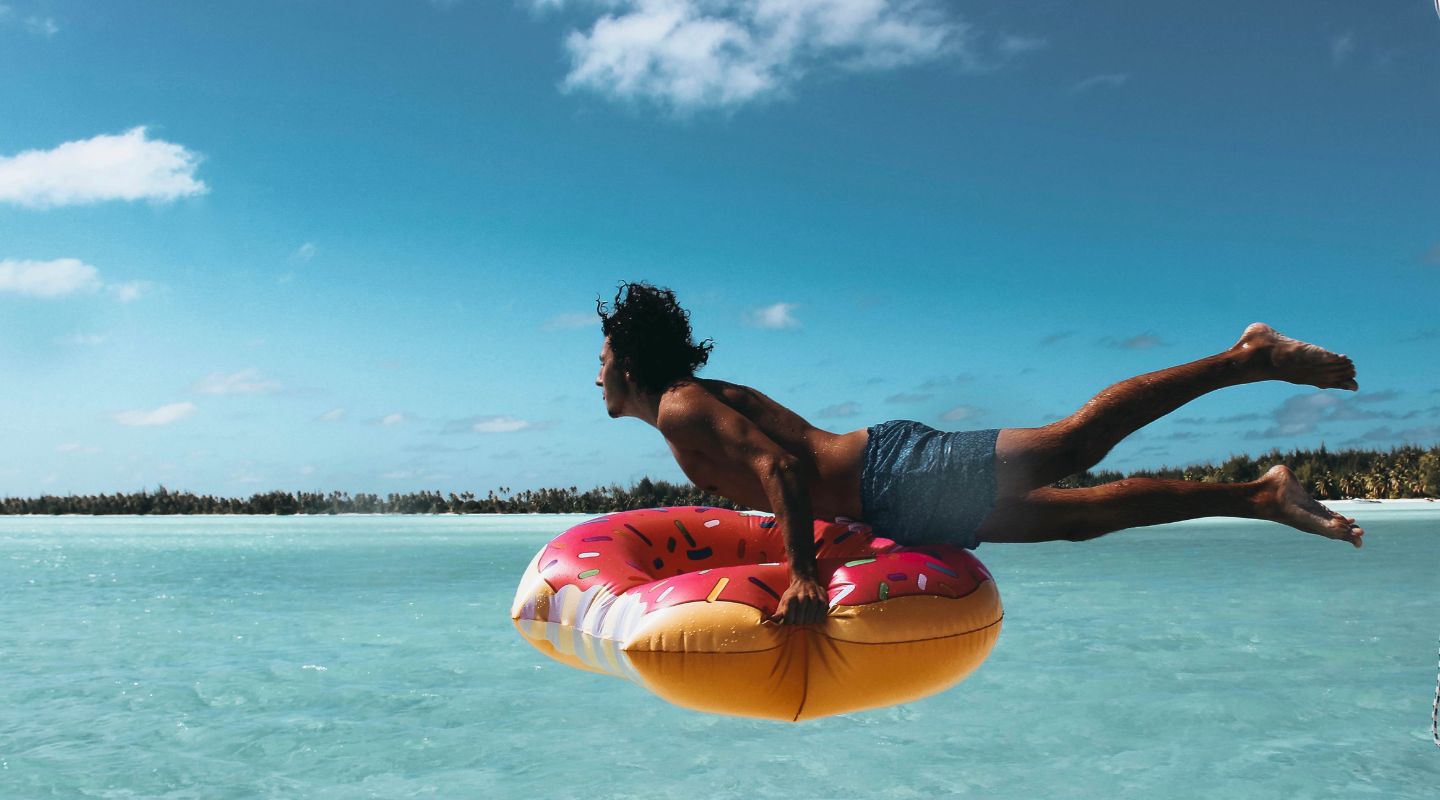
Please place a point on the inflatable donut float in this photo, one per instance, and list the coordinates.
(677, 600)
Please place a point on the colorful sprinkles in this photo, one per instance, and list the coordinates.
(766, 587)
(719, 587)
(642, 536)
(690, 540)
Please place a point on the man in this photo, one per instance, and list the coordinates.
(917, 485)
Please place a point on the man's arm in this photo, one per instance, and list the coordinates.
(701, 422)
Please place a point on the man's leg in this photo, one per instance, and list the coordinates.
(1029, 458)
(1047, 514)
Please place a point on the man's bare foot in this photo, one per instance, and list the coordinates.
(1294, 506)
(1295, 361)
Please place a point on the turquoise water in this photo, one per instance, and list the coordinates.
(373, 657)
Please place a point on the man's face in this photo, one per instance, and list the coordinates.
(612, 381)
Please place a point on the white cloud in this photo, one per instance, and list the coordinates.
(847, 409)
(247, 477)
(569, 321)
(690, 54)
(1142, 341)
(127, 166)
(333, 415)
(304, 253)
(499, 425)
(962, 413)
(246, 381)
(1112, 80)
(164, 415)
(1304, 414)
(45, 27)
(129, 291)
(61, 277)
(773, 317)
(393, 419)
(57, 278)
(80, 339)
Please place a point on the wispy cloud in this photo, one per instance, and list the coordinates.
(491, 424)
(81, 339)
(908, 397)
(1248, 416)
(57, 278)
(1383, 396)
(1304, 414)
(397, 418)
(779, 316)
(44, 27)
(561, 322)
(945, 382)
(1110, 80)
(962, 413)
(847, 409)
(62, 277)
(1055, 338)
(41, 26)
(129, 291)
(1423, 435)
(127, 166)
(164, 415)
(1341, 47)
(1143, 341)
(246, 381)
(333, 415)
(694, 54)
(304, 253)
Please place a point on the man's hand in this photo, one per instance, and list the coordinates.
(806, 602)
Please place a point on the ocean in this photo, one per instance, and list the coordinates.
(356, 657)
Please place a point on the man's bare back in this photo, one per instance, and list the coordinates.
(829, 463)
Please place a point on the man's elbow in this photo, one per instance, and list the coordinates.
(784, 470)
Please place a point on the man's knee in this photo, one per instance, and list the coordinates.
(1081, 446)
(1082, 533)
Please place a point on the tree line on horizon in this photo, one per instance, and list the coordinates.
(1404, 472)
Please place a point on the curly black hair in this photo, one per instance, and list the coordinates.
(651, 333)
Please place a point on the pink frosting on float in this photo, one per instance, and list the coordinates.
(697, 554)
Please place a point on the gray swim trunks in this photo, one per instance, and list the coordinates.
(923, 486)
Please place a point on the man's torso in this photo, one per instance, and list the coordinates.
(830, 463)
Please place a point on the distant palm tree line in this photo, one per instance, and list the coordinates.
(1402, 472)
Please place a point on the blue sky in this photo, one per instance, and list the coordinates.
(357, 246)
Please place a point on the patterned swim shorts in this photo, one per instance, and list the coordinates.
(923, 486)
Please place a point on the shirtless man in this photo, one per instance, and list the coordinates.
(917, 485)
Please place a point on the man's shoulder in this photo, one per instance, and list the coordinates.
(698, 404)
(685, 404)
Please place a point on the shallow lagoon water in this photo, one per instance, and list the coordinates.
(345, 657)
